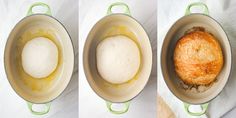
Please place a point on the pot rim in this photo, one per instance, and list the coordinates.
(39, 14)
(117, 14)
(231, 58)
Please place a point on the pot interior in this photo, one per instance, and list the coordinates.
(112, 25)
(44, 89)
(167, 63)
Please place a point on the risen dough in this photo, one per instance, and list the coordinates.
(118, 59)
(39, 57)
(198, 58)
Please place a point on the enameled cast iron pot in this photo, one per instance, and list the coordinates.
(122, 93)
(39, 23)
(167, 65)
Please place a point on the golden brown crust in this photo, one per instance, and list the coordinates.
(198, 58)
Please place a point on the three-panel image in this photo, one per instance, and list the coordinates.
(117, 59)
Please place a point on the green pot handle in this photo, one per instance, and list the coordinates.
(30, 11)
(203, 106)
(30, 106)
(199, 4)
(121, 4)
(124, 110)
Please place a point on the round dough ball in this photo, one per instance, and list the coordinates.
(118, 59)
(39, 57)
(198, 58)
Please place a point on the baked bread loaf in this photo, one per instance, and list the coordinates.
(198, 58)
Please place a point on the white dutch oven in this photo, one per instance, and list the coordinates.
(107, 26)
(44, 90)
(167, 65)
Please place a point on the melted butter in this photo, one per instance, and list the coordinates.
(123, 30)
(36, 84)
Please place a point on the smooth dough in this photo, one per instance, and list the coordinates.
(39, 57)
(118, 59)
(198, 58)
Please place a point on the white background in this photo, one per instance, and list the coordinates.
(11, 105)
(90, 104)
(224, 12)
